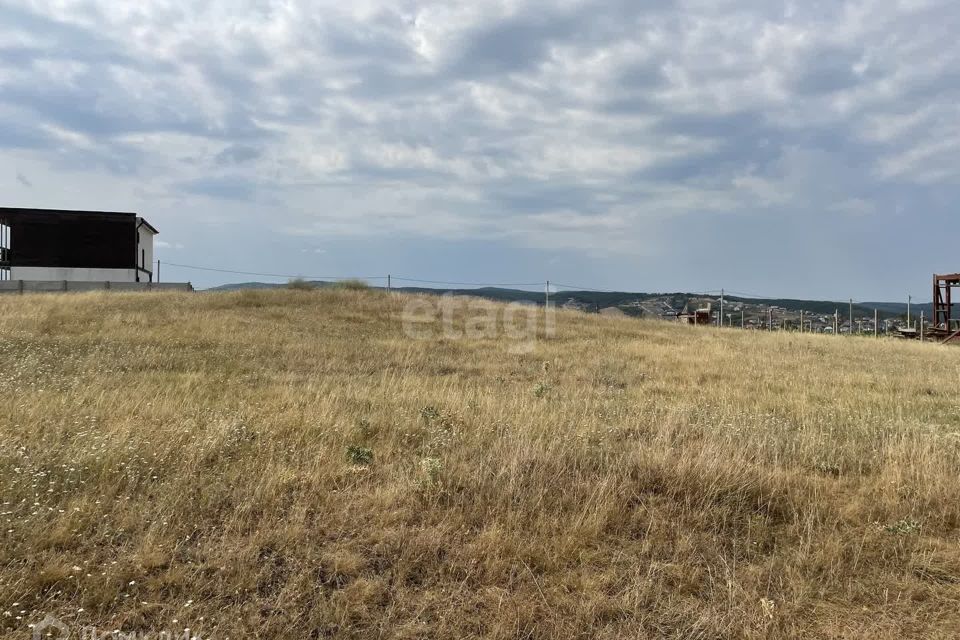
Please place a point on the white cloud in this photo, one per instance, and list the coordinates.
(600, 119)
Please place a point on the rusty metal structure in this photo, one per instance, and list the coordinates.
(945, 327)
(698, 317)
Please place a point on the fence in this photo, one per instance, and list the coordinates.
(54, 286)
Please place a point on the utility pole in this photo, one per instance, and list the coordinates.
(158, 271)
(876, 323)
(836, 322)
(851, 316)
(922, 313)
(743, 324)
(546, 296)
(909, 302)
(770, 319)
(721, 306)
(389, 283)
(801, 320)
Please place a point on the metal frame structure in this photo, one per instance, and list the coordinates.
(945, 325)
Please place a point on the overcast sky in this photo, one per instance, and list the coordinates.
(805, 149)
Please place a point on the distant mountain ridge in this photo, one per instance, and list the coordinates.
(627, 300)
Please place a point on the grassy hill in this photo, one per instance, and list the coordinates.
(294, 464)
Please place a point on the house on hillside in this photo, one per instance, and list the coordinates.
(75, 246)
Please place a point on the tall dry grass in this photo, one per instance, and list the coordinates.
(290, 464)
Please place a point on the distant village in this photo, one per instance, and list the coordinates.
(739, 314)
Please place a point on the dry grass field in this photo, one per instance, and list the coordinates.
(290, 464)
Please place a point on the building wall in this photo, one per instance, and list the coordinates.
(62, 239)
(73, 274)
(61, 286)
(145, 253)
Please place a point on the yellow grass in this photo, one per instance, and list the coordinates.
(172, 461)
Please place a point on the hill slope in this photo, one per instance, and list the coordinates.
(626, 300)
(287, 463)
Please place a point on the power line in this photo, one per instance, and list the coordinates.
(573, 287)
(471, 284)
(396, 278)
(272, 275)
(567, 287)
(741, 294)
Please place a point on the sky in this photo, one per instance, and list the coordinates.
(791, 149)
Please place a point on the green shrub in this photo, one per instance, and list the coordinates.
(361, 456)
(299, 284)
(904, 527)
(352, 285)
(430, 470)
(429, 413)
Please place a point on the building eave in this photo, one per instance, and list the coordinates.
(143, 222)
